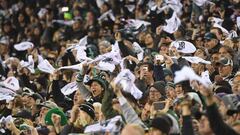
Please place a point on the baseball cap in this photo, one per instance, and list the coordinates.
(225, 61)
(37, 97)
(209, 36)
(232, 103)
(160, 86)
(48, 104)
(170, 84)
(167, 72)
(88, 108)
(98, 79)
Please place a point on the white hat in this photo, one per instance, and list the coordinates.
(196, 60)
(23, 46)
(69, 88)
(183, 46)
(11, 83)
(46, 67)
(172, 24)
(126, 79)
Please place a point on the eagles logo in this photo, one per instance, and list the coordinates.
(181, 45)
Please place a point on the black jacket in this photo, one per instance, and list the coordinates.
(217, 124)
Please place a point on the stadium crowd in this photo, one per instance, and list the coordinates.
(120, 67)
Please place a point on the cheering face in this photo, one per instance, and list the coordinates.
(145, 112)
(148, 39)
(179, 90)
(32, 102)
(170, 92)
(204, 127)
(195, 67)
(224, 71)
(102, 49)
(43, 113)
(224, 53)
(78, 99)
(163, 50)
(96, 89)
(199, 42)
(154, 95)
(209, 44)
(200, 53)
(25, 100)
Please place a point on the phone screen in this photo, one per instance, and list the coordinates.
(145, 68)
(159, 105)
(159, 57)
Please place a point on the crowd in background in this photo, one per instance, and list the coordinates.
(178, 62)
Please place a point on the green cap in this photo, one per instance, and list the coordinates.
(57, 111)
(209, 36)
(98, 79)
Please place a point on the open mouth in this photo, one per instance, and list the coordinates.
(94, 92)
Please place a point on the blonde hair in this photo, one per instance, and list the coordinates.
(97, 106)
(83, 119)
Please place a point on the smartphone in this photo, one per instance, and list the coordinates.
(159, 105)
(159, 57)
(145, 68)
